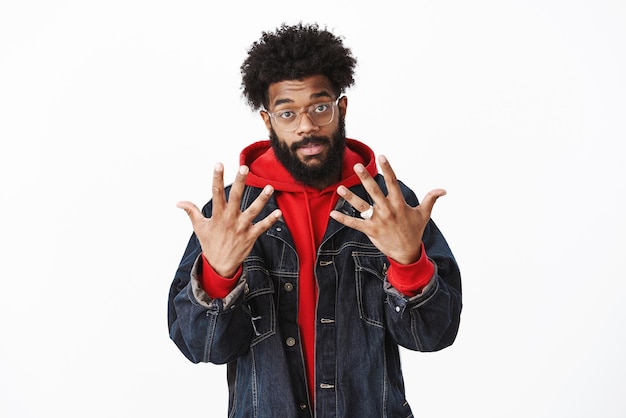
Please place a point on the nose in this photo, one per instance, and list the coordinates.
(306, 125)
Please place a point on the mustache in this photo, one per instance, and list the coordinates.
(309, 140)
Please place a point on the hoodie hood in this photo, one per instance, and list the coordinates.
(266, 169)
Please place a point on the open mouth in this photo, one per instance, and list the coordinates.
(311, 148)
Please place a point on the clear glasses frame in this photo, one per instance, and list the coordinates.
(288, 120)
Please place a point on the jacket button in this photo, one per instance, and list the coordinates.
(303, 406)
(288, 287)
(290, 341)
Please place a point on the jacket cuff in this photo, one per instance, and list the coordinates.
(228, 301)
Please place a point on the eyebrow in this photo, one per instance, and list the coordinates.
(322, 93)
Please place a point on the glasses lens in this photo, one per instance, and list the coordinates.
(321, 113)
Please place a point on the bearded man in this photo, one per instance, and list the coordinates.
(310, 270)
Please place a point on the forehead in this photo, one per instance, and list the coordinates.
(299, 91)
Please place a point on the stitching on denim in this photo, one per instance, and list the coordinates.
(209, 338)
(360, 285)
(231, 413)
(385, 381)
(272, 324)
(255, 397)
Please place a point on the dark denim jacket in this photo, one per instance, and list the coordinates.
(361, 321)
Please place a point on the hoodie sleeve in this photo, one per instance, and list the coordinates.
(216, 286)
(410, 279)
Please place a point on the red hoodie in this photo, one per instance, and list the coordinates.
(306, 211)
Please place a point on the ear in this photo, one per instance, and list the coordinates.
(266, 119)
(343, 105)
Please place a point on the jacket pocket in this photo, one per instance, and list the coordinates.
(370, 270)
(259, 301)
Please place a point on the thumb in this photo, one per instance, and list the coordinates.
(192, 210)
(430, 199)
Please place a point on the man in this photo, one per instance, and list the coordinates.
(308, 272)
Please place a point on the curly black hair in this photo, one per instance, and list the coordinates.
(293, 53)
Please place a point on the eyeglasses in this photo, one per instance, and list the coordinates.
(320, 114)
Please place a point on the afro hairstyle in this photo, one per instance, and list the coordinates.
(293, 53)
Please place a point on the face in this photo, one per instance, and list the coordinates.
(311, 153)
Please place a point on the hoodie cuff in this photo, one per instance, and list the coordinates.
(216, 286)
(410, 279)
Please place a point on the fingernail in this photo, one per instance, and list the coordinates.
(243, 170)
(341, 190)
(359, 168)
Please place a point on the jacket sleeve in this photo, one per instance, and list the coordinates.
(428, 321)
(206, 329)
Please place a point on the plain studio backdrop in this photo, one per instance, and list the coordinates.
(111, 112)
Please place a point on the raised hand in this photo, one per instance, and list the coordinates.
(228, 235)
(394, 227)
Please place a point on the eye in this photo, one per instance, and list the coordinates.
(321, 108)
(286, 114)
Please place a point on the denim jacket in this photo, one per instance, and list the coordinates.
(361, 322)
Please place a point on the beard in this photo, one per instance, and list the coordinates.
(320, 173)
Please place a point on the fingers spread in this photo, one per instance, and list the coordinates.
(430, 199)
(356, 202)
(265, 223)
(219, 199)
(192, 210)
(393, 187)
(370, 185)
(259, 203)
(348, 221)
(236, 190)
